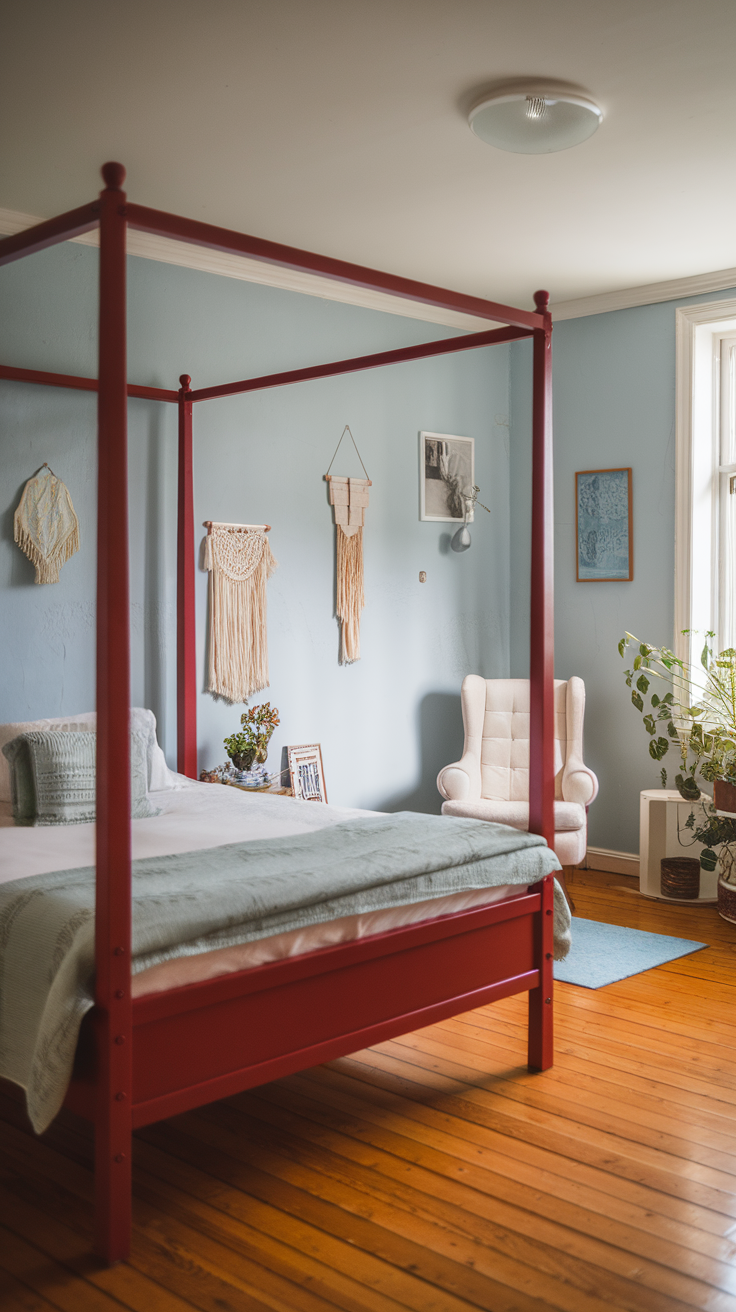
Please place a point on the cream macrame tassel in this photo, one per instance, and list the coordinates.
(46, 527)
(241, 563)
(350, 598)
(349, 498)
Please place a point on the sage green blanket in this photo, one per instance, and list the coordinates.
(201, 900)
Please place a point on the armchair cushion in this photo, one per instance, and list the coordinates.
(569, 843)
(569, 816)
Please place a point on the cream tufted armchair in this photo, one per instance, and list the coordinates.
(491, 781)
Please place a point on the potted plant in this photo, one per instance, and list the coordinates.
(697, 713)
(248, 749)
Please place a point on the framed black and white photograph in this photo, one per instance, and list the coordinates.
(446, 476)
(307, 774)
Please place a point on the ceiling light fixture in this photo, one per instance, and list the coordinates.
(535, 119)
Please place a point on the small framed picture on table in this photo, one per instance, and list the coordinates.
(307, 774)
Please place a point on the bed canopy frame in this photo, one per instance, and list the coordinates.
(181, 1037)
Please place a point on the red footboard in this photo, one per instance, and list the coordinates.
(206, 1041)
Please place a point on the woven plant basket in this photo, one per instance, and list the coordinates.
(680, 877)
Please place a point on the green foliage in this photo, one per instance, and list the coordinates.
(251, 743)
(687, 788)
(698, 710)
(658, 748)
(714, 831)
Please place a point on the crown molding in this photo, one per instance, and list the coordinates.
(167, 251)
(652, 293)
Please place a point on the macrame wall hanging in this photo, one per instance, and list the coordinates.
(45, 525)
(240, 561)
(349, 498)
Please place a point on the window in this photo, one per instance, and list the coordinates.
(705, 512)
(725, 491)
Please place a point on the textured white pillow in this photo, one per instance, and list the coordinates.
(159, 775)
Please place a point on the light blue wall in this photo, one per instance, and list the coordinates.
(386, 724)
(614, 405)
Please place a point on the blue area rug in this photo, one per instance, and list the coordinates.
(602, 954)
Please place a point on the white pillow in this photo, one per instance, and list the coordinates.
(159, 774)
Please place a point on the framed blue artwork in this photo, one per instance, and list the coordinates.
(603, 526)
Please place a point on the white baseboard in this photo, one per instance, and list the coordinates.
(614, 863)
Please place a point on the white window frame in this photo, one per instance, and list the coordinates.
(700, 330)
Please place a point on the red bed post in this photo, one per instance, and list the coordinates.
(113, 893)
(541, 675)
(541, 1013)
(542, 646)
(186, 651)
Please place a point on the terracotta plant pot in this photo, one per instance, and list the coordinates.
(727, 901)
(724, 796)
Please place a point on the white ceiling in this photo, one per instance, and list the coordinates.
(340, 126)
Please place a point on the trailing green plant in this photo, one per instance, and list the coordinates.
(714, 831)
(697, 717)
(697, 713)
(250, 745)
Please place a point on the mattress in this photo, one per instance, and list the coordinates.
(196, 816)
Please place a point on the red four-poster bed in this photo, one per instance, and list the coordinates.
(140, 1061)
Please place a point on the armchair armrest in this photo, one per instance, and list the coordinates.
(460, 782)
(579, 784)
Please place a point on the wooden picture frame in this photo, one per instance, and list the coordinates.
(446, 473)
(604, 527)
(307, 773)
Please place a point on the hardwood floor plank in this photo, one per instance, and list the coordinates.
(586, 1146)
(17, 1297)
(614, 1023)
(532, 1186)
(701, 1183)
(51, 1279)
(470, 1062)
(396, 1263)
(601, 1061)
(468, 1141)
(464, 1209)
(61, 1254)
(191, 1246)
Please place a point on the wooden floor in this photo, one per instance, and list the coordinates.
(433, 1172)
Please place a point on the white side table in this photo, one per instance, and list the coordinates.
(662, 809)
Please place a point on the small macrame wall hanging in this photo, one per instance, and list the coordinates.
(349, 499)
(45, 525)
(240, 562)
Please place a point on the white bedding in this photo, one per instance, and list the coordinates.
(197, 816)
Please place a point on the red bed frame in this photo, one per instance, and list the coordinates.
(139, 1061)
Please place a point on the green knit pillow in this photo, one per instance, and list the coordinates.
(53, 777)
